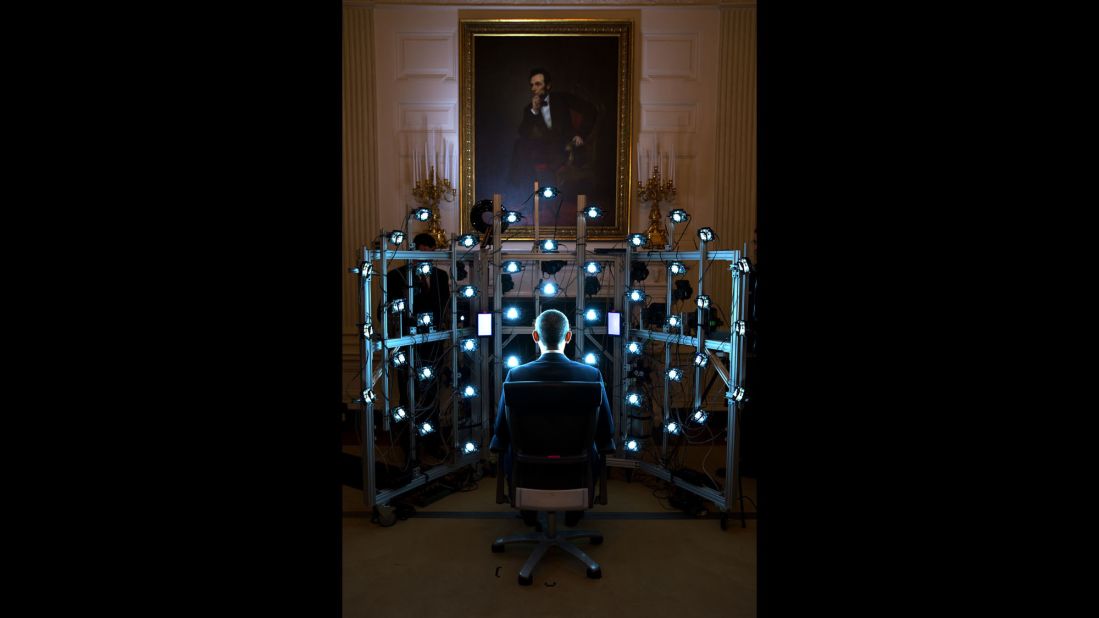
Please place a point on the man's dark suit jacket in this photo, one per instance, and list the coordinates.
(431, 300)
(554, 367)
(562, 107)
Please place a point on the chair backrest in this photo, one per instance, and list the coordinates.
(552, 418)
(555, 421)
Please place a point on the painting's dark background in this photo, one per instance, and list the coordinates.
(584, 66)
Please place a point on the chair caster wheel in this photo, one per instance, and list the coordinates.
(595, 573)
(525, 581)
(597, 540)
(497, 548)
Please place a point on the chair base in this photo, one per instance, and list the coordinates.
(546, 540)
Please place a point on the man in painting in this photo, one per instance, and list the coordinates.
(554, 144)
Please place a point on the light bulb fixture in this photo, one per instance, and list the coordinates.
(425, 373)
(634, 399)
(633, 445)
(705, 234)
(512, 362)
(701, 360)
(679, 216)
(510, 216)
(468, 291)
(469, 344)
(673, 321)
(468, 240)
(397, 306)
(593, 211)
(512, 313)
(636, 295)
(672, 428)
(549, 192)
(675, 374)
(634, 347)
(396, 237)
(677, 268)
(469, 448)
(399, 358)
(369, 396)
(368, 329)
(399, 414)
(469, 391)
(423, 268)
(550, 288)
(745, 265)
(591, 359)
(424, 319)
(637, 240)
(699, 416)
(422, 214)
(737, 394)
(549, 245)
(425, 428)
(703, 301)
(741, 327)
(513, 266)
(593, 268)
(591, 315)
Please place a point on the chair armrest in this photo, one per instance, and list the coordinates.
(500, 499)
(602, 499)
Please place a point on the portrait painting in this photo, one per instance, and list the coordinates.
(547, 101)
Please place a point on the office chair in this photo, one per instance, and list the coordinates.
(552, 426)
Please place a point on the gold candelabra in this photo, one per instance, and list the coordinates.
(655, 191)
(428, 192)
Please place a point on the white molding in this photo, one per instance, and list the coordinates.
(669, 118)
(652, 47)
(447, 64)
(410, 115)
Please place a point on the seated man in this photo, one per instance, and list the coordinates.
(551, 333)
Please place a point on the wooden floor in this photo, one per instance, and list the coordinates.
(656, 560)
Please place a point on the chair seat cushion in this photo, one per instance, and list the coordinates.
(551, 499)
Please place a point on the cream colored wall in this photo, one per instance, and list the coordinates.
(696, 70)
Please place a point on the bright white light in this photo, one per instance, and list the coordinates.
(591, 315)
(468, 240)
(591, 359)
(741, 327)
(672, 427)
(633, 399)
(673, 321)
(469, 291)
(738, 394)
(512, 217)
(469, 447)
(703, 302)
(369, 396)
(593, 268)
(422, 214)
(396, 237)
(424, 268)
(745, 265)
(512, 362)
(701, 360)
(426, 428)
(425, 373)
(399, 358)
(705, 234)
(633, 347)
(469, 391)
(397, 306)
(632, 445)
(512, 266)
(594, 211)
(368, 330)
(549, 288)
(549, 245)
(637, 295)
(469, 345)
(679, 215)
(637, 240)
(511, 313)
(424, 319)
(699, 416)
(674, 374)
(677, 268)
(549, 192)
(399, 414)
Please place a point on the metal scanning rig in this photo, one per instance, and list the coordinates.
(487, 264)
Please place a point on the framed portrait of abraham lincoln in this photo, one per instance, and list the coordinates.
(547, 101)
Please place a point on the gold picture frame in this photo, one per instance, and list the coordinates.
(589, 64)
